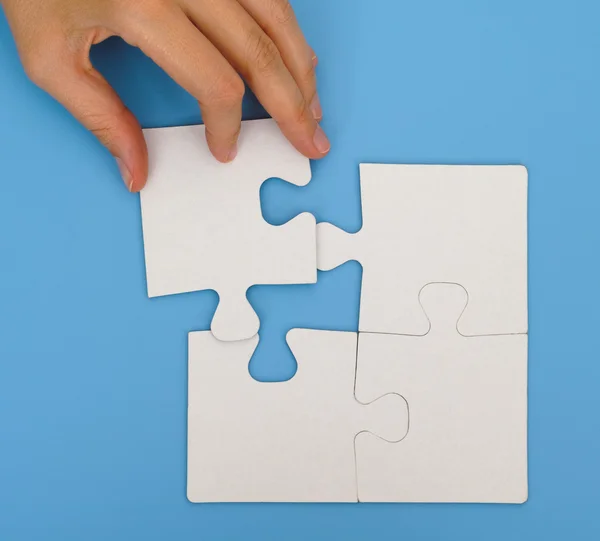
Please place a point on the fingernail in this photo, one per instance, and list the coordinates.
(315, 61)
(320, 140)
(125, 174)
(315, 107)
(232, 153)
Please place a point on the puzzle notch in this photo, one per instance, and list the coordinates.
(467, 398)
(379, 416)
(288, 441)
(425, 224)
(203, 226)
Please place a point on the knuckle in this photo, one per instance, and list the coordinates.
(105, 126)
(45, 57)
(37, 67)
(227, 92)
(282, 11)
(232, 90)
(300, 114)
(263, 53)
(309, 76)
(104, 133)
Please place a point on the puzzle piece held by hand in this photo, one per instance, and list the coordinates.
(280, 442)
(467, 398)
(426, 223)
(203, 226)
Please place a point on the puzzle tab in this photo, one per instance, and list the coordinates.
(437, 223)
(203, 227)
(427, 403)
(280, 442)
(467, 398)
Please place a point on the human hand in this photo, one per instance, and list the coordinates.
(205, 45)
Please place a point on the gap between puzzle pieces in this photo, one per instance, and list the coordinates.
(425, 224)
(203, 227)
(459, 421)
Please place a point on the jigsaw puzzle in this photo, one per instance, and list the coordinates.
(203, 227)
(467, 401)
(426, 223)
(280, 442)
(428, 403)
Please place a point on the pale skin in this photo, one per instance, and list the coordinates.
(209, 47)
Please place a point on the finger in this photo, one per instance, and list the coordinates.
(277, 19)
(176, 45)
(87, 95)
(252, 53)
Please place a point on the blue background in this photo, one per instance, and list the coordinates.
(93, 373)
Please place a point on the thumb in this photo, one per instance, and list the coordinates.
(88, 96)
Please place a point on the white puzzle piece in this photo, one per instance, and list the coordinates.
(280, 442)
(467, 402)
(425, 223)
(203, 226)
